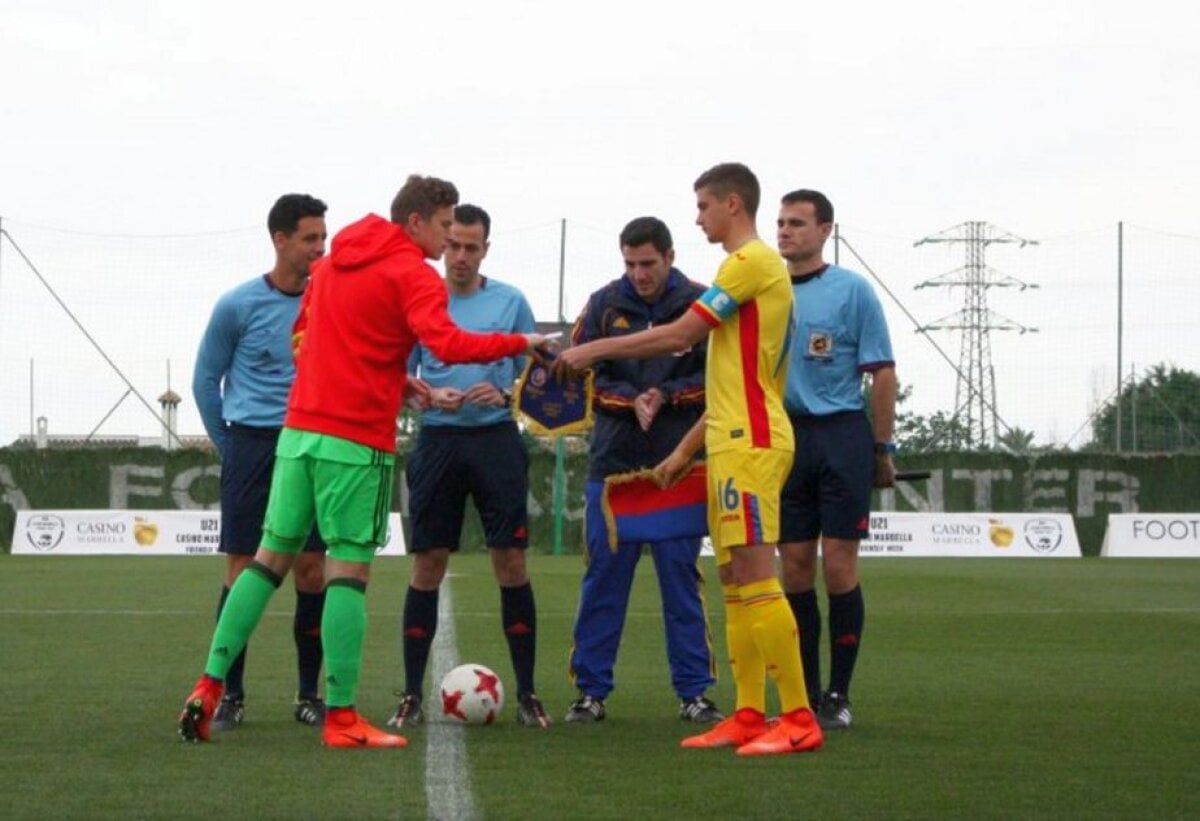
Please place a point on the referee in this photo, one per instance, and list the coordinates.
(244, 370)
(840, 334)
(469, 445)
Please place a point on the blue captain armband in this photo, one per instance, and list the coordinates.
(718, 302)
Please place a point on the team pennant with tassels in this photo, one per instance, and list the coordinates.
(636, 509)
(551, 406)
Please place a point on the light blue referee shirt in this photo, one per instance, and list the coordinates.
(840, 334)
(494, 307)
(244, 368)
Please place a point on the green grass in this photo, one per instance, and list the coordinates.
(988, 688)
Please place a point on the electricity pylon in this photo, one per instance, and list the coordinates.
(975, 390)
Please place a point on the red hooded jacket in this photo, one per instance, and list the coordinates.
(366, 305)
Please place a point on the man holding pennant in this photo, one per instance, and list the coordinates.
(749, 444)
(643, 407)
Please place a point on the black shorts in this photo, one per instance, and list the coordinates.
(246, 469)
(829, 489)
(449, 463)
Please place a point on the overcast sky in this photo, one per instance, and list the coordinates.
(1049, 119)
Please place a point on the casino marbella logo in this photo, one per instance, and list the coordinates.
(44, 531)
(1000, 533)
(1043, 535)
(145, 532)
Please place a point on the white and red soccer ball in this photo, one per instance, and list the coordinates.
(472, 694)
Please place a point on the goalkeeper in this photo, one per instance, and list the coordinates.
(368, 304)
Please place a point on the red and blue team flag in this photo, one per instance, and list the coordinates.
(636, 509)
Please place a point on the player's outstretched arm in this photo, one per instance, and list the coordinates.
(675, 336)
(536, 345)
(671, 470)
(429, 318)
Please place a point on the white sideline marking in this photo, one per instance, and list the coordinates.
(16, 611)
(633, 613)
(448, 794)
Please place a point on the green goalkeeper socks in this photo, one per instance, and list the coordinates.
(343, 628)
(240, 615)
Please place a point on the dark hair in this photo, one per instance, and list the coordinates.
(731, 178)
(647, 230)
(474, 215)
(288, 210)
(816, 199)
(422, 196)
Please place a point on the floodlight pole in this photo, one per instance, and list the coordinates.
(560, 468)
(562, 267)
(1120, 324)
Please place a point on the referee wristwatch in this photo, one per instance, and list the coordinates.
(885, 448)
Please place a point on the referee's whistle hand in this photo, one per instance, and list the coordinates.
(885, 471)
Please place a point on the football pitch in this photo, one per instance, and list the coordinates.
(986, 688)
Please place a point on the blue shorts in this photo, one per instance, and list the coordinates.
(246, 468)
(829, 489)
(449, 463)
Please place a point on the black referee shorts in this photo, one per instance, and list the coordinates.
(829, 489)
(448, 464)
(246, 469)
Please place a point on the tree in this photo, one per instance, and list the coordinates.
(917, 433)
(1159, 413)
(1016, 440)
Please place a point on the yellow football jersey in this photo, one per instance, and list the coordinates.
(749, 307)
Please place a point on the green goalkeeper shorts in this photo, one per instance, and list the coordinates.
(343, 487)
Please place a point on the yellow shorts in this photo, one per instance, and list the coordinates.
(743, 497)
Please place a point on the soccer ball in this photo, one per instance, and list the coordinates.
(472, 694)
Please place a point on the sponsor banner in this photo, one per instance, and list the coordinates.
(971, 534)
(1152, 535)
(137, 532)
(967, 535)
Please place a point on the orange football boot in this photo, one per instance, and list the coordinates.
(796, 732)
(739, 729)
(195, 722)
(344, 727)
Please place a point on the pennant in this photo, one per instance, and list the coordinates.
(550, 406)
(636, 509)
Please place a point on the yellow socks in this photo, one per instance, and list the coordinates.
(772, 627)
(749, 670)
